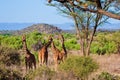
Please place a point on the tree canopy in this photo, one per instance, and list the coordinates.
(83, 5)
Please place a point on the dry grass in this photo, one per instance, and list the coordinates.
(108, 63)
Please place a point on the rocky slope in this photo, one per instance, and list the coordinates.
(42, 28)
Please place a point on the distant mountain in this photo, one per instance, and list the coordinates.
(63, 26)
(19, 28)
(110, 26)
(14, 26)
(41, 28)
(66, 26)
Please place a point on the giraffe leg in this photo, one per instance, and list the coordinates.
(34, 63)
(29, 64)
(56, 63)
(26, 63)
(43, 60)
(40, 60)
(46, 60)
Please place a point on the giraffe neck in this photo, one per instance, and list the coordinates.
(24, 45)
(25, 48)
(48, 44)
(53, 46)
(63, 47)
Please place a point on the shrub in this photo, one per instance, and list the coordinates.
(81, 67)
(71, 44)
(11, 41)
(68, 36)
(107, 76)
(107, 48)
(6, 74)
(9, 56)
(41, 73)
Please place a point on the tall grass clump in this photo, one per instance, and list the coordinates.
(107, 76)
(81, 67)
(9, 61)
(41, 73)
(9, 56)
(7, 74)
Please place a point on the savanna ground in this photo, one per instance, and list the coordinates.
(104, 51)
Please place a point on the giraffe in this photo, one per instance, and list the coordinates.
(64, 51)
(55, 52)
(30, 60)
(43, 52)
(57, 55)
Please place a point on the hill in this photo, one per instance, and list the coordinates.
(42, 28)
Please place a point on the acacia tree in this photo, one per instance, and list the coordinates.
(84, 19)
(97, 3)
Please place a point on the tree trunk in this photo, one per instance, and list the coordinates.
(118, 48)
(79, 36)
(92, 35)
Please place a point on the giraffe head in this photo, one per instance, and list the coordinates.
(50, 39)
(60, 36)
(23, 37)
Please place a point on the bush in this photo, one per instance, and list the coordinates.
(6, 74)
(69, 36)
(107, 48)
(71, 44)
(11, 41)
(9, 56)
(41, 73)
(81, 67)
(107, 76)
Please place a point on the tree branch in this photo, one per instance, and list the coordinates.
(100, 11)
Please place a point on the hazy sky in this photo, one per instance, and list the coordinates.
(35, 11)
(29, 11)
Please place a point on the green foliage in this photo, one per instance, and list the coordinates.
(107, 76)
(81, 67)
(107, 48)
(72, 44)
(11, 41)
(58, 44)
(33, 38)
(41, 73)
(69, 36)
(36, 55)
(104, 44)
